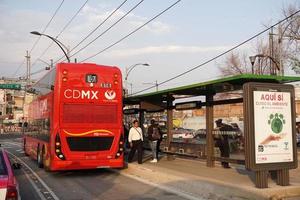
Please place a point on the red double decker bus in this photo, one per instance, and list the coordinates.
(75, 119)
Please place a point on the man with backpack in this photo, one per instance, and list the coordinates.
(153, 137)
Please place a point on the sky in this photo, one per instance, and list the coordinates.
(183, 37)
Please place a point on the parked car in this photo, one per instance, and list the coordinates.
(163, 130)
(179, 133)
(200, 134)
(9, 188)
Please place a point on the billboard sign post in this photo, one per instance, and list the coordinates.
(269, 111)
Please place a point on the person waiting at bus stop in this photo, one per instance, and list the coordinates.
(153, 137)
(135, 139)
(222, 142)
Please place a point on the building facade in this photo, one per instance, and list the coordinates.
(12, 96)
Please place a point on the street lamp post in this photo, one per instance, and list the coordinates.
(61, 45)
(128, 70)
(253, 58)
(130, 88)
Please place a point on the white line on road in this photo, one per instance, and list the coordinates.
(34, 185)
(14, 143)
(8, 147)
(37, 177)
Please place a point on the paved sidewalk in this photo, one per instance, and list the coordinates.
(196, 181)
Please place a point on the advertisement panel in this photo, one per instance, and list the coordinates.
(269, 118)
(273, 127)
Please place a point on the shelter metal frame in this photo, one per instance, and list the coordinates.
(163, 100)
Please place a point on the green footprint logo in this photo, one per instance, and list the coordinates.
(276, 121)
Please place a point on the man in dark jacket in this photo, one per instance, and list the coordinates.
(223, 143)
(153, 137)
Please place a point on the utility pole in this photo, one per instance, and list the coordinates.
(271, 49)
(26, 86)
(154, 84)
(128, 70)
(280, 35)
(28, 66)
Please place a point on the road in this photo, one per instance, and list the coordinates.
(35, 183)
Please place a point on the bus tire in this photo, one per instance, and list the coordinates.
(24, 148)
(40, 158)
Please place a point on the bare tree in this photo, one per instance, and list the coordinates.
(292, 25)
(263, 64)
(273, 55)
(290, 37)
(234, 64)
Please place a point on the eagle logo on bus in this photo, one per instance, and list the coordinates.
(110, 94)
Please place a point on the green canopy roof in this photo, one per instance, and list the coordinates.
(214, 86)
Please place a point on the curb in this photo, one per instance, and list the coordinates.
(186, 185)
(191, 186)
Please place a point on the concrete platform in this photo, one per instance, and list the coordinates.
(194, 180)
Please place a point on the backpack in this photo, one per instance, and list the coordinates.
(155, 134)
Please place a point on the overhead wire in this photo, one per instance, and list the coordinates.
(132, 32)
(37, 72)
(38, 39)
(114, 24)
(70, 21)
(15, 73)
(108, 17)
(63, 29)
(218, 56)
(43, 31)
(88, 35)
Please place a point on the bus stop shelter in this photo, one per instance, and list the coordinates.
(164, 100)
